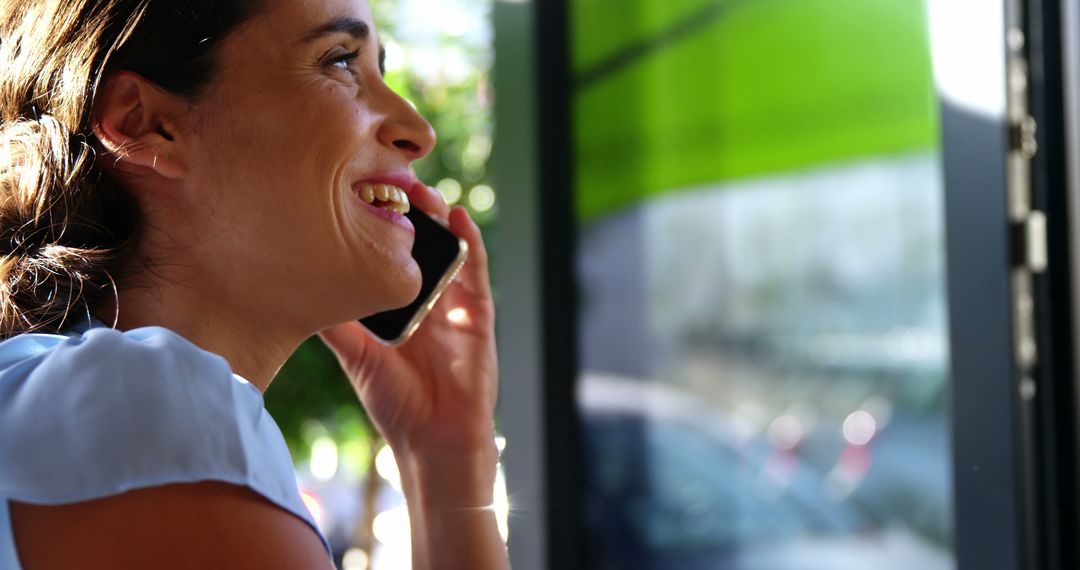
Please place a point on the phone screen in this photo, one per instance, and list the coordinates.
(439, 254)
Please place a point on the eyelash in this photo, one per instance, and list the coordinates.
(347, 59)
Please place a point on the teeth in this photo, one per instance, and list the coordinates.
(392, 197)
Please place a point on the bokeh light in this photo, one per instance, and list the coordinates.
(859, 427)
(324, 458)
(450, 189)
(355, 559)
(395, 57)
(786, 432)
(387, 468)
(392, 527)
(482, 198)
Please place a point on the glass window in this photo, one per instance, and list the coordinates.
(763, 330)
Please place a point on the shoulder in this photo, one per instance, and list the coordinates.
(99, 362)
(102, 356)
(123, 409)
(199, 525)
(104, 414)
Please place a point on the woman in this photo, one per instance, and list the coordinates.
(180, 209)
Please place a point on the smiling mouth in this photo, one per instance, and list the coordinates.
(385, 196)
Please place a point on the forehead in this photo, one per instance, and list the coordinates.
(289, 21)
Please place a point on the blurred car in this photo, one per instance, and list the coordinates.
(675, 484)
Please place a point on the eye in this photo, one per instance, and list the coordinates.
(343, 61)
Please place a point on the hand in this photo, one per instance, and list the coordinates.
(433, 399)
(437, 391)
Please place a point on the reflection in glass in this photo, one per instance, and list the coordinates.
(763, 322)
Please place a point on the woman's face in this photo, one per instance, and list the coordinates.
(297, 122)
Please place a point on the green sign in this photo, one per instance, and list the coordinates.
(673, 94)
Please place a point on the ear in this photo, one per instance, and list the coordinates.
(134, 120)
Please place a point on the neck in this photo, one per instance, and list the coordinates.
(254, 350)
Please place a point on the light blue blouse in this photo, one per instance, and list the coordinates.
(98, 412)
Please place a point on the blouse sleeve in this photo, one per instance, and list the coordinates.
(106, 412)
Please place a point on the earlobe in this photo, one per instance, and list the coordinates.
(131, 121)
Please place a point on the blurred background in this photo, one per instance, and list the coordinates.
(758, 375)
(762, 316)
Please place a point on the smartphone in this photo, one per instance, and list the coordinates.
(440, 255)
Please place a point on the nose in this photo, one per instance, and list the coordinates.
(404, 129)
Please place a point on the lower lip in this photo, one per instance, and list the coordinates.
(388, 215)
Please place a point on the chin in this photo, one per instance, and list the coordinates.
(404, 288)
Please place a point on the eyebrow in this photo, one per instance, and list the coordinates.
(355, 28)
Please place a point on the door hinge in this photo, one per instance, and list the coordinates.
(1030, 242)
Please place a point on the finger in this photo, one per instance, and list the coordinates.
(475, 275)
(429, 200)
(350, 342)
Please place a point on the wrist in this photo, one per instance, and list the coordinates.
(449, 478)
(450, 495)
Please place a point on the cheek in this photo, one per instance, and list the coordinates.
(316, 145)
(286, 149)
(286, 116)
(277, 176)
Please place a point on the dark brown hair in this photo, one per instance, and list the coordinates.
(67, 229)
